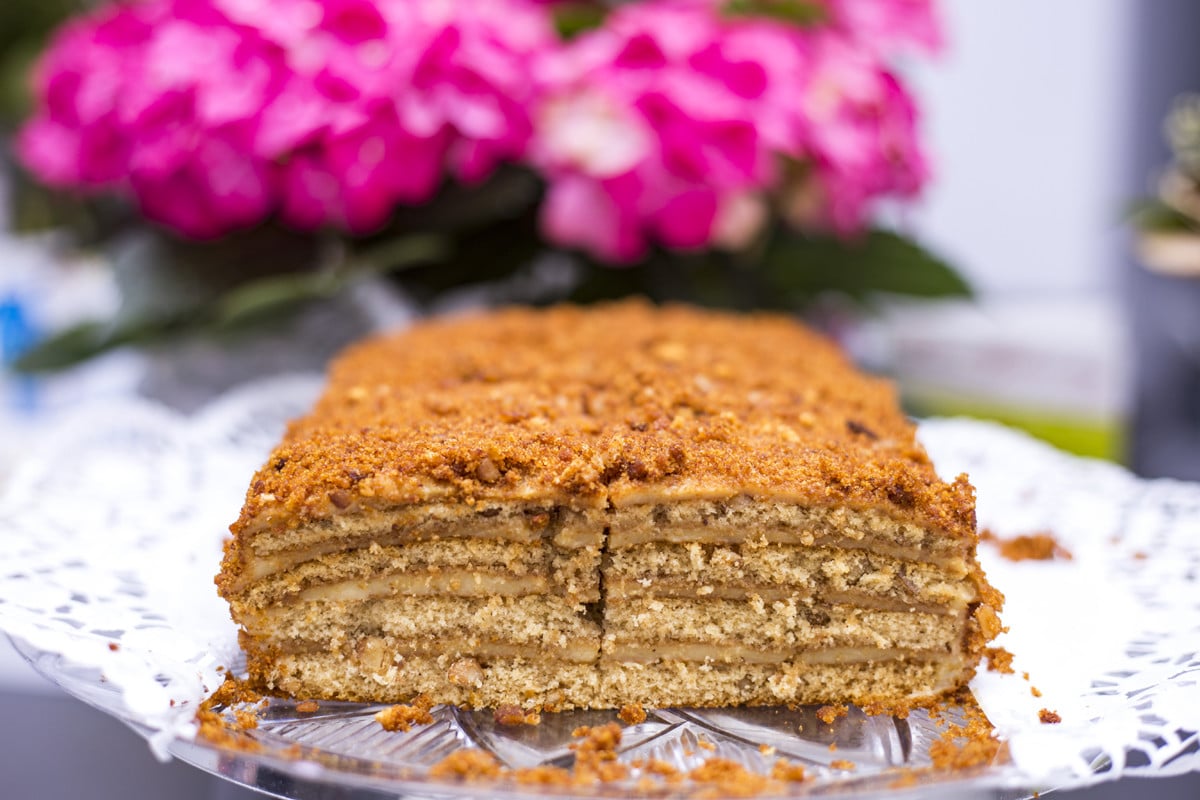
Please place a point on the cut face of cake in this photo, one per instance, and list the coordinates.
(590, 508)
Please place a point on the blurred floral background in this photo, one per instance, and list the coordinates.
(240, 186)
(257, 155)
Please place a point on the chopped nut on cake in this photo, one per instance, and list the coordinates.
(764, 525)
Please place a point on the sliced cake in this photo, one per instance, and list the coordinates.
(590, 508)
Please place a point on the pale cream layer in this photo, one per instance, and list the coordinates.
(720, 522)
(450, 566)
(542, 623)
(775, 571)
(623, 589)
(793, 625)
(375, 652)
(740, 518)
(514, 522)
(739, 654)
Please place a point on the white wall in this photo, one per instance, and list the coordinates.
(1026, 115)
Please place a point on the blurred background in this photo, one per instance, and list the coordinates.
(1045, 123)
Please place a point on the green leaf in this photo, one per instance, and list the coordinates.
(90, 339)
(796, 12)
(572, 19)
(801, 267)
(259, 299)
(172, 288)
(399, 253)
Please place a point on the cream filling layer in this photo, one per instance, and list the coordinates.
(481, 583)
(626, 588)
(378, 651)
(737, 654)
(780, 625)
(375, 653)
(461, 582)
(954, 569)
(948, 558)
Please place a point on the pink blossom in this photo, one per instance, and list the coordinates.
(887, 26)
(678, 125)
(214, 115)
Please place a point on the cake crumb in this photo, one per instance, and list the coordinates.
(596, 754)
(512, 715)
(403, 717)
(307, 707)
(766, 749)
(828, 714)
(841, 763)
(999, 660)
(113, 646)
(705, 744)
(1048, 717)
(656, 766)
(1035, 691)
(647, 786)
(1039, 546)
(970, 745)
(543, 775)
(233, 692)
(632, 714)
(466, 765)
(896, 712)
(833, 747)
(786, 771)
(217, 728)
(729, 778)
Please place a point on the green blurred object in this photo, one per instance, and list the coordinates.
(1074, 433)
(484, 239)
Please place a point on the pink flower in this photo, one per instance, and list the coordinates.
(76, 139)
(886, 26)
(217, 114)
(385, 98)
(678, 125)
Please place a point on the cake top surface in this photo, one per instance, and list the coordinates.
(611, 405)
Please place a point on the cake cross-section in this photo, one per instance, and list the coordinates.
(587, 508)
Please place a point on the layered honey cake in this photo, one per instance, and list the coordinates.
(573, 508)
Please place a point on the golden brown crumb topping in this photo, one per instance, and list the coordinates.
(585, 407)
(1048, 717)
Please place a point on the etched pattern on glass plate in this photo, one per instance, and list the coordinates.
(110, 536)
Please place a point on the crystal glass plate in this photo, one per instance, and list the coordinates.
(111, 532)
(341, 751)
